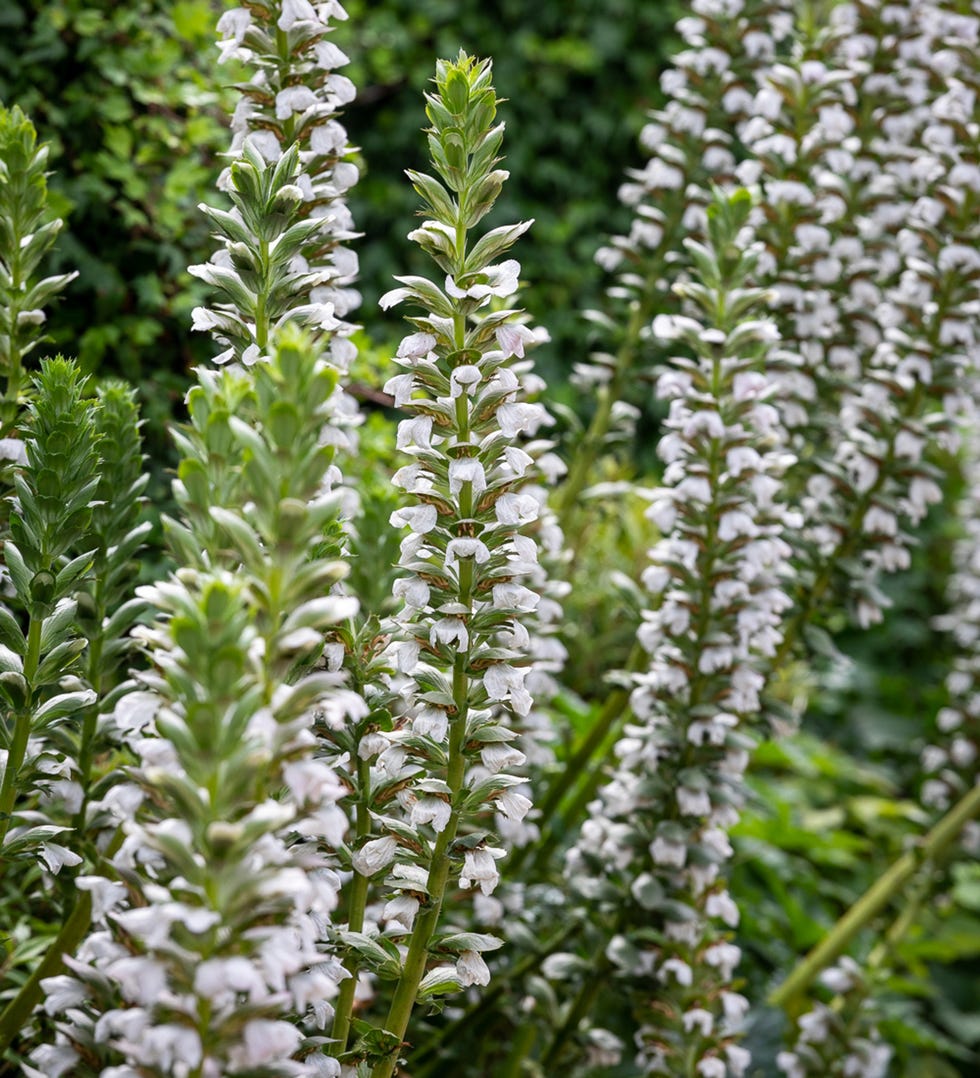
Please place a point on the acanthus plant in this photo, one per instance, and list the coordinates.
(288, 108)
(280, 552)
(27, 233)
(693, 143)
(871, 239)
(40, 688)
(73, 532)
(279, 887)
(461, 639)
(949, 760)
(653, 855)
(839, 1034)
(205, 944)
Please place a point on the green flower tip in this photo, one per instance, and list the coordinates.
(465, 100)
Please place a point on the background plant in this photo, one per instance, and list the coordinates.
(845, 132)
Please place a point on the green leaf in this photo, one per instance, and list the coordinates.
(65, 704)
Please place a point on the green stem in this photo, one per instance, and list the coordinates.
(15, 368)
(262, 299)
(520, 1050)
(90, 722)
(22, 730)
(413, 970)
(406, 991)
(876, 898)
(18, 1011)
(355, 920)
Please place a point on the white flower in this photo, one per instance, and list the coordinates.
(375, 855)
(56, 857)
(106, 894)
(498, 757)
(141, 979)
(504, 682)
(466, 548)
(679, 969)
(724, 956)
(62, 992)
(431, 722)
(513, 805)
(700, 1019)
(516, 508)
(420, 519)
(220, 978)
(512, 337)
(433, 810)
(329, 57)
(670, 854)
(466, 470)
(402, 908)
(841, 977)
(449, 631)
(266, 1041)
(401, 388)
(471, 969)
(693, 802)
(501, 281)
(480, 868)
(235, 23)
(415, 345)
(720, 904)
(294, 11)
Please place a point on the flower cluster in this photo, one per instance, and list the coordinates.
(39, 683)
(468, 556)
(285, 260)
(838, 1039)
(207, 930)
(693, 144)
(716, 577)
(871, 241)
(107, 609)
(709, 90)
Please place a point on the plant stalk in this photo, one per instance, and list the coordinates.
(876, 898)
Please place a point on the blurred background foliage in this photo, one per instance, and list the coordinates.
(131, 99)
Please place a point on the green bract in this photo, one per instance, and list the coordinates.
(37, 686)
(26, 236)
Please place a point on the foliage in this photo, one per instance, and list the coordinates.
(435, 752)
(123, 96)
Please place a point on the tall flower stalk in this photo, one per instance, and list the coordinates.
(466, 557)
(727, 49)
(294, 266)
(657, 843)
(72, 762)
(693, 142)
(886, 336)
(203, 955)
(39, 686)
